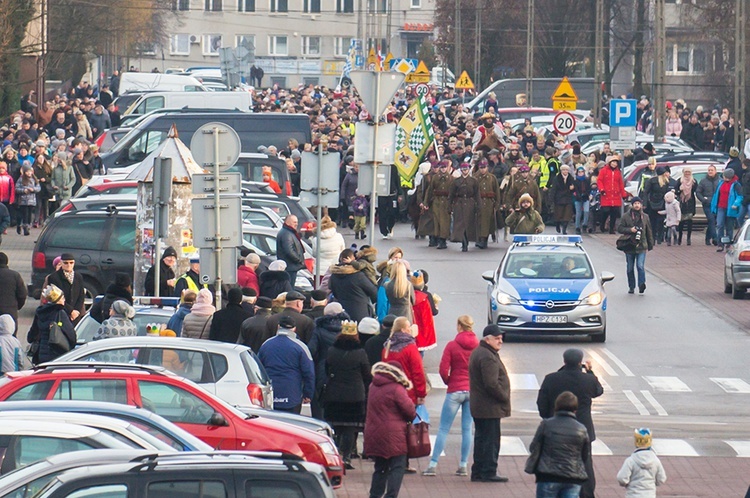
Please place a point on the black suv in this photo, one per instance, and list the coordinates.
(103, 243)
(199, 475)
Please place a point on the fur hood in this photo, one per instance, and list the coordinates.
(393, 372)
(343, 270)
(368, 254)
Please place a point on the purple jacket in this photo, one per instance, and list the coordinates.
(389, 409)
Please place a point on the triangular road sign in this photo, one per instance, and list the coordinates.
(420, 75)
(464, 82)
(366, 84)
(565, 91)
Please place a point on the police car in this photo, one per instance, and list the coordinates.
(546, 286)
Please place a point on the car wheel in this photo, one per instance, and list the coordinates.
(90, 291)
(738, 292)
(601, 337)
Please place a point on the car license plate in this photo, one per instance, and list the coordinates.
(550, 319)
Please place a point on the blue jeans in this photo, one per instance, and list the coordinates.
(711, 227)
(582, 210)
(454, 401)
(724, 225)
(637, 260)
(557, 490)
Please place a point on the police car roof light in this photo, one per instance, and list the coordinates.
(156, 301)
(547, 239)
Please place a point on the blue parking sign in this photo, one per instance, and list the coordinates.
(622, 112)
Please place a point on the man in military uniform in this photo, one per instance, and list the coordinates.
(426, 223)
(489, 202)
(437, 201)
(464, 199)
(523, 183)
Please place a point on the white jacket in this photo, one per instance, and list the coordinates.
(12, 356)
(641, 473)
(331, 245)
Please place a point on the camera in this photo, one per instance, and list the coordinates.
(638, 235)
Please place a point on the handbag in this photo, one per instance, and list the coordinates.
(626, 243)
(533, 461)
(418, 439)
(57, 337)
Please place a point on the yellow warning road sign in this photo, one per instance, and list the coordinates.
(564, 98)
(464, 82)
(421, 75)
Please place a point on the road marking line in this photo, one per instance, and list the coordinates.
(673, 447)
(650, 398)
(436, 382)
(523, 382)
(636, 402)
(619, 363)
(433, 438)
(732, 385)
(512, 446)
(599, 448)
(601, 362)
(668, 384)
(742, 448)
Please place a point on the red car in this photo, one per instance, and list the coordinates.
(109, 187)
(176, 399)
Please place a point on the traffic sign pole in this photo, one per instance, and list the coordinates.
(374, 196)
(217, 214)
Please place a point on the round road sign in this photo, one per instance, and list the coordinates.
(203, 142)
(421, 90)
(564, 123)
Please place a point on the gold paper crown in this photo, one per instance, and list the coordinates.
(348, 327)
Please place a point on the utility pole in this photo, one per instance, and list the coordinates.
(478, 41)
(740, 54)
(530, 54)
(598, 62)
(42, 56)
(658, 77)
(457, 39)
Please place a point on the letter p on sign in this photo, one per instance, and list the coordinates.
(622, 112)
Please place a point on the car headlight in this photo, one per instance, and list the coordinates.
(505, 298)
(593, 299)
(328, 448)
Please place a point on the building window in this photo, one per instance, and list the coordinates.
(179, 44)
(245, 5)
(310, 45)
(377, 6)
(211, 44)
(341, 46)
(416, 4)
(277, 45)
(181, 5)
(279, 5)
(312, 6)
(247, 41)
(213, 5)
(345, 6)
(687, 59)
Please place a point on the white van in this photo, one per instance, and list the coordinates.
(138, 82)
(152, 101)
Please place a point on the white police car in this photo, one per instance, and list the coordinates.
(546, 286)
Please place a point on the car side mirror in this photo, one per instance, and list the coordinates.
(489, 276)
(607, 276)
(217, 420)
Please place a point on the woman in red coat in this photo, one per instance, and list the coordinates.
(389, 409)
(402, 347)
(612, 191)
(423, 309)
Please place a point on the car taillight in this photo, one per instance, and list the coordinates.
(745, 256)
(39, 261)
(309, 226)
(255, 393)
(310, 264)
(288, 187)
(100, 140)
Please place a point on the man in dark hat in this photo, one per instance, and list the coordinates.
(227, 322)
(374, 346)
(166, 276)
(294, 303)
(578, 378)
(489, 400)
(120, 289)
(253, 332)
(644, 152)
(71, 283)
(318, 301)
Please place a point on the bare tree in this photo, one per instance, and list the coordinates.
(14, 17)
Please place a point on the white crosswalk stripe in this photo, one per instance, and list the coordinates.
(742, 448)
(657, 406)
(599, 448)
(636, 402)
(673, 447)
(618, 362)
(732, 385)
(667, 384)
(512, 446)
(602, 363)
(523, 382)
(436, 381)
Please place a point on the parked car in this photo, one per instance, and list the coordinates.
(284, 206)
(110, 137)
(178, 400)
(231, 372)
(212, 475)
(105, 187)
(737, 264)
(668, 146)
(265, 240)
(98, 203)
(159, 427)
(148, 310)
(23, 442)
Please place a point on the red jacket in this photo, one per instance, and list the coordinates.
(402, 348)
(246, 277)
(423, 318)
(7, 189)
(612, 187)
(454, 365)
(388, 410)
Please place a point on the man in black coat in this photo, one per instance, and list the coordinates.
(318, 301)
(13, 291)
(253, 332)
(289, 247)
(121, 289)
(227, 322)
(374, 346)
(71, 283)
(352, 288)
(166, 276)
(579, 379)
(692, 133)
(304, 325)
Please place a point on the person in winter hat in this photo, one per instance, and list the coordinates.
(525, 219)
(197, 323)
(12, 356)
(642, 471)
(673, 215)
(119, 324)
(331, 244)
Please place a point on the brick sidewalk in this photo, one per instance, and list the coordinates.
(686, 477)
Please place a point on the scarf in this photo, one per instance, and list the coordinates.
(686, 189)
(69, 275)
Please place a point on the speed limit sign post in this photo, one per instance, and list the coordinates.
(564, 123)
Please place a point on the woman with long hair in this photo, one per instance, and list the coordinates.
(400, 291)
(685, 192)
(43, 173)
(63, 177)
(26, 190)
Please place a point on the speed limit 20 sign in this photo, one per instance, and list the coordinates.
(564, 123)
